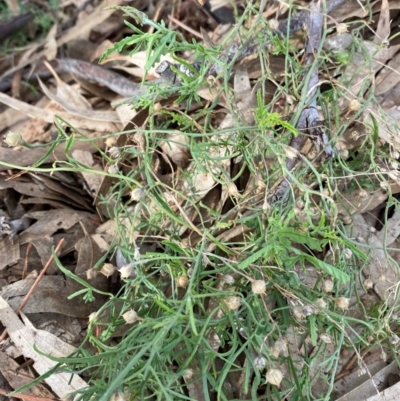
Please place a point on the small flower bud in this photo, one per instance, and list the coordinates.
(274, 377)
(13, 139)
(280, 348)
(298, 313)
(107, 269)
(233, 302)
(131, 317)
(354, 105)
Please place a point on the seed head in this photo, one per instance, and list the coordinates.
(341, 28)
(107, 269)
(131, 317)
(274, 376)
(233, 302)
(260, 362)
(113, 169)
(182, 281)
(258, 286)
(368, 284)
(327, 285)
(13, 139)
(228, 279)
(343, 303)
(115, 152)
(326, 338)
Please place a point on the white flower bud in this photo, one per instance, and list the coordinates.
(274, 376)
(13, 139)
(107, 269)
(233, 302)
(131, 317)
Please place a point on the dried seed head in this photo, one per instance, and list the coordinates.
(266, 206)
(13, 139)
(320, 302)
(384, 185)
(233, 191)
(233, 302)
(274, 376)
(91, 274)
(344, 154)
(137, 194)
(108, 269)
(127, 271)
(326, 338)
(228, 279)
(258, 286)
(342, 302)
(187, 374)
(182, 281)
(131, 317)
(362, 193)
(298, 313)
(394, 339)
(273, 24)
(259, 362)
(361, 371)
(341, 28)
(92, 317)
(280, 348)
(300, 204)
(384, 356)
(327, 285)
(347, 253)
(118, 396)
(382, 278)
(113, 169)
(368, 284)
(110, 141)
(354, 105)
(309, 310)
(114, 152)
